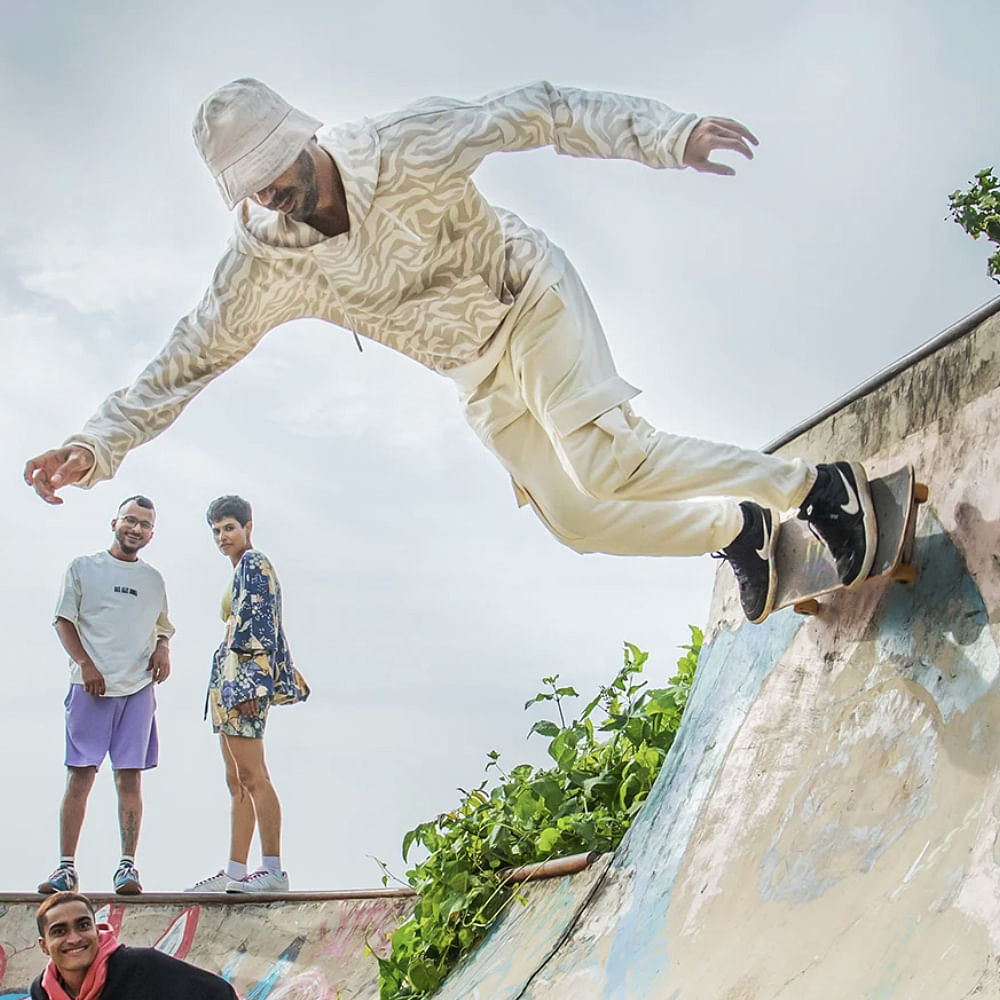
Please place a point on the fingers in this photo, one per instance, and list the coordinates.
(73, 469)
(709, 167)
(735, 143)
(739, 128)
(36, 476)
(30, 468)
(711, 134)
(53, 469)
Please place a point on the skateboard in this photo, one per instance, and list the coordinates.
(806, 570)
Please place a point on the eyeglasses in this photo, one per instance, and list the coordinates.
(134, 522)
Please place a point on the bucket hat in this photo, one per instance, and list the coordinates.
(248, 135)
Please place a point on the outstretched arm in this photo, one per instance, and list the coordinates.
(227, 324)
(445, 134)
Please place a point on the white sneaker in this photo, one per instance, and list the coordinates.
(262, 881)
(214, 883)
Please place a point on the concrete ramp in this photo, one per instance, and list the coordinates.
(827, 824)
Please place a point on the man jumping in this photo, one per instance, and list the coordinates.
(377, 227)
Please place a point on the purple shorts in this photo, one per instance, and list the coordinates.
(125, 727)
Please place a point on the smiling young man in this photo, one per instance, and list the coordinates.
(86, 961)
(251, 670)
(376, 226)
(112, 621)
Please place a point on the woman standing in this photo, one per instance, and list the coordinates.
(252, 669)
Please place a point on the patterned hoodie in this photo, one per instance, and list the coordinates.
(428, 266)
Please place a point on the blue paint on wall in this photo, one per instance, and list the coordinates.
(731, 670)
(935, 632)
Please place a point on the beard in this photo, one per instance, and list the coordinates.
(306, 183)
(128, 547)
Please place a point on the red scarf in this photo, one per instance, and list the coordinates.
(96, 975)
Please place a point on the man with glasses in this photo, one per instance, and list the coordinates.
(112, 621)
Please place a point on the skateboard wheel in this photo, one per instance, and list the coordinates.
(920, 492)
(809, 607)
(905, 573)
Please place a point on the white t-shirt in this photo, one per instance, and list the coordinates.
(119, 609)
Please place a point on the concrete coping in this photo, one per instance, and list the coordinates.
(554, 868)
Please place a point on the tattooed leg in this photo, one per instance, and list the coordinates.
(129, 785)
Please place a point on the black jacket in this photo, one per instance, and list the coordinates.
(147, 974)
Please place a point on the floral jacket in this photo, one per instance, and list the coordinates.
(253, 660)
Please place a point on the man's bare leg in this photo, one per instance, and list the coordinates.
(128, 781)
(79, 781)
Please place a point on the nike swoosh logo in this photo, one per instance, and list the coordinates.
(851, 507)
(762, 551)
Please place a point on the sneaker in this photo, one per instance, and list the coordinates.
(214, 883)
(262, 881)
(751, 554)
(63, 879)
(840, 513)
(126, 880)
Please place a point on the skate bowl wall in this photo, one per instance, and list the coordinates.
(826, 824)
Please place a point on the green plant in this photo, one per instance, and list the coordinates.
(977, 211)
(604, 769)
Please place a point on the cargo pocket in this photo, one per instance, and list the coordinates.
(627, 447)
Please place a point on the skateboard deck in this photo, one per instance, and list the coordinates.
(806, 570)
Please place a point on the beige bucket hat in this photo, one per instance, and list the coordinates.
(248, 135)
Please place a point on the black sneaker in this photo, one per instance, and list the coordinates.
(751, 554)
(840, 512)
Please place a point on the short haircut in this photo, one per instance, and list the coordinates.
(57, 899)
(229, 506)
(138, 499)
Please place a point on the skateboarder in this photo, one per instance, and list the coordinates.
(87, 962)
(377, 227)
(112, 621)
(252, 669)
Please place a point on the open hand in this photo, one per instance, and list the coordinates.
(711, 134)
(56, 468)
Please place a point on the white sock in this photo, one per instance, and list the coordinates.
(271, 863)
(236, 869)
(68, 861)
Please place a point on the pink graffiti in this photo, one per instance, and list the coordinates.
(369, 922)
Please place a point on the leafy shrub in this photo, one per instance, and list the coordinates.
(977, 211)
(603, 772)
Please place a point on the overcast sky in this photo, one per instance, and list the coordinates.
(421, 605)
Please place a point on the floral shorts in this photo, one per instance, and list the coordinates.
(232, 722)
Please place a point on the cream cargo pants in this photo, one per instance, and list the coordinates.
(557, 415)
